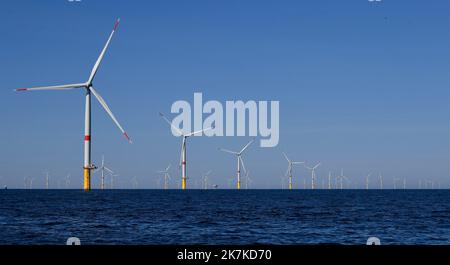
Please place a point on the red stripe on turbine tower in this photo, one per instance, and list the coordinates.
(87, 137)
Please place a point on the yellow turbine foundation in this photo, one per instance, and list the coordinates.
(290, 186)
(238, 185)
(87, 179)
(183, 183)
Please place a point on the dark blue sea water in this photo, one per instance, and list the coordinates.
(225, 216)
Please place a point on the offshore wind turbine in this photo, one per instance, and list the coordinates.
(313, 175)
(289, 169)
(247, 179)
(205, 180)
(46, 180)
(89, 89)
(183, 148)
(381, 180)
(368, 180)
(239, 161)
(166, 176)
(329, 180)
(103, 168)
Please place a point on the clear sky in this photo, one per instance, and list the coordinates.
(362, 86)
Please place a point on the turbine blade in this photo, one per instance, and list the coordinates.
(242, 163)
(171, 125)
(109, 170)
(60, 87)
(199, 131)
(168, 167)
(298, 163)
(108, 110)
(285, 156)
(317, 165)
(228, 151)
(247, 145)
(100, 58)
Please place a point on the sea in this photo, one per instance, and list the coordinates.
(219, 217)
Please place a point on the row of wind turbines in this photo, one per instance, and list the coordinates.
(89, 167)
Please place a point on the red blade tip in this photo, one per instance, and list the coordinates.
(128, 138)
(117, 24)
(21, 89)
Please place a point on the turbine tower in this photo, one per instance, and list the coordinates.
(183, 148)
(368, 180)
(239, 161)
(381, 180)
(205, 180)
(88, 87)
(46, 180)
(289, 169)
(313, 175)
(329, 180)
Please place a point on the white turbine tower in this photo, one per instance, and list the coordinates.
(183, 148)
(46, 180)
(103, 168)
(289, 169)
(248, 180)
(381, 180)
(87, 86)
(368, 180)
(205, 180)
(329, 180)
(239, 161)
(166, 176)
(313, 175)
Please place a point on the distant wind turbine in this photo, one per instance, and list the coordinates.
(166, 176)
(313, 175)
(102, 169)
(240, 161)
(289, 169)
(183, 147)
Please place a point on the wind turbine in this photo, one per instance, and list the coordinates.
(46, 180)
(103, 168)
(239, 161)
(329, 180)
(289, 169)
(166, 176)
(67, 181)
(368, 180)
(313, 175)
(183, 148)
(112, 183)
(31, 183)
(205, 180)
(134, 182)
(87, 86)
(248, 180)
(381, 180)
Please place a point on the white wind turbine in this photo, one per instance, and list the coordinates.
(329, 180)
(47, 179)
(87, 86)
(368, 180)
(103, 168)
(134, 182)
(183, 148)
(313, 175)
(67, 181)
(240, 161)
(205, 180)
(381, 180)
(248, 180)
(166, 176)
(289, 169)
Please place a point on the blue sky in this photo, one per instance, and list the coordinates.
(362, 86)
